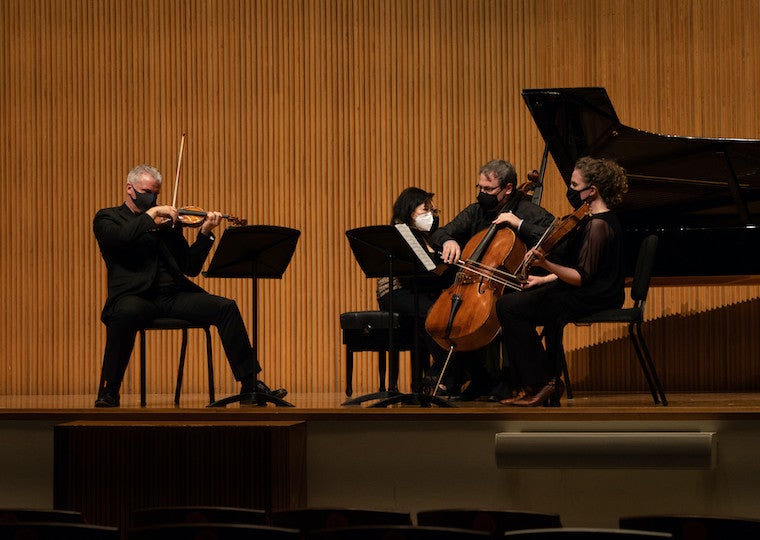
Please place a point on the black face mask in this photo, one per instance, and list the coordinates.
(487, 201)
(144, 201)
(574, 197)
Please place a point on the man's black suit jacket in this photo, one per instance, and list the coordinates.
(131, 248)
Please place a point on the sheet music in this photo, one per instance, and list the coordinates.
(418, 249)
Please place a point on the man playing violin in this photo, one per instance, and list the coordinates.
(147, 267)
(498, 201)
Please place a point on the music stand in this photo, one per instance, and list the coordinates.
(382, 251)
(253, 251)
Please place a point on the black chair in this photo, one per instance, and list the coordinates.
(176, 324)
(633, 316)
(368, 331)
(397, 532)
(166, 515)
(584, 534)
(215, 531)
(29, 515)
(685, 527)
(494, 522)
(56, 531)
(311, 519)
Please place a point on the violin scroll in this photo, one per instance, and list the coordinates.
(236, 221)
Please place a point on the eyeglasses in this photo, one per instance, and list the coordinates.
(488, 190)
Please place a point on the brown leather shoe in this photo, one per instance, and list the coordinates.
(518, 396)
(542, 397)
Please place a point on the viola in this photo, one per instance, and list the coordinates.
(560, 230)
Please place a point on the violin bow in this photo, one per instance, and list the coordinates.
(179, 166)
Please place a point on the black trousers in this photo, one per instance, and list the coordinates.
(519, 314)
(198, 307)
(404, 304)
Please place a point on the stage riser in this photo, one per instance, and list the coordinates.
(107, 470)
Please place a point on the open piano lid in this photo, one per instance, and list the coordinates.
(700, 196)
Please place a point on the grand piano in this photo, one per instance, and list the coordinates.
(700, 196)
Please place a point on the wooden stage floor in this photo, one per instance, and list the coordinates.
(322, 406)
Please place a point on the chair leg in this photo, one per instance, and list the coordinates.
(393, 371)
(181, 368)
(645, 359)
(561, 361)
(381, 369)
(142, 367)
(210, 364)
(417, 367)
(349, 371)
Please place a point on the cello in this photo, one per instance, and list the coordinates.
(464, 315)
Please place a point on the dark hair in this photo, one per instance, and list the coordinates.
(607, 176)
(407, 201)
(502, 170)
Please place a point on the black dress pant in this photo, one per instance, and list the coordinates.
(519, 314)
(404, 304)
(130, 312)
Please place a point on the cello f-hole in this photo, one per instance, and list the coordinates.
(455, 301)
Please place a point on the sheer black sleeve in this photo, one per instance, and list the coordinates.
(593, 257)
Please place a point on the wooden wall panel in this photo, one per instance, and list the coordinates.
(314, 114)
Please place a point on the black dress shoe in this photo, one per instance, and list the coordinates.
(279, 393)
(261, 388)
(106, 398)
(468, 394)
(499, 392)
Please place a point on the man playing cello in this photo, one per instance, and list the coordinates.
(498, 201)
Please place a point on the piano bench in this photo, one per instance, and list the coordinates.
(368, 331)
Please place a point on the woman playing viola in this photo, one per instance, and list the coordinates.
(589, 278)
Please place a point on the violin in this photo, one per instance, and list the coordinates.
(553, 236)
(192, 216)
